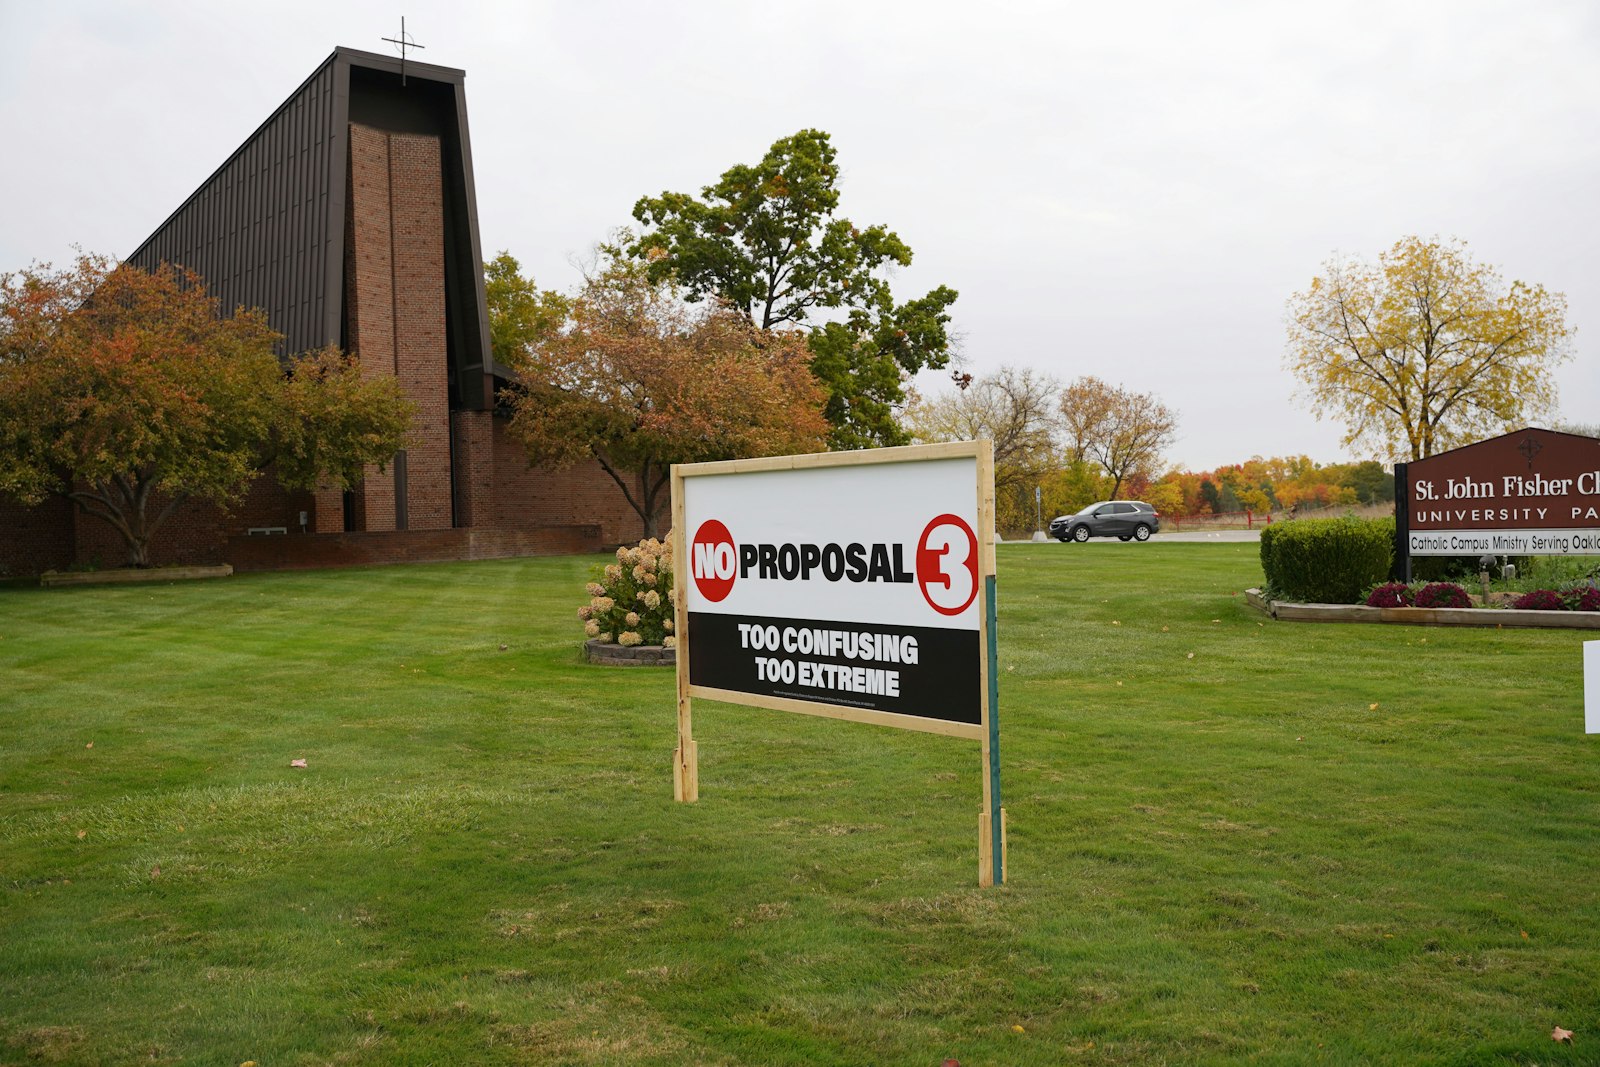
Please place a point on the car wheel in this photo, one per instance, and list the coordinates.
(1142, 532)
(1080, 534)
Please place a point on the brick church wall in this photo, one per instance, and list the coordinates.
(197, 532)
(37, 539)
(395, 298)
(526, 497)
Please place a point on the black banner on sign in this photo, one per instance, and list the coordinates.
(922, 671)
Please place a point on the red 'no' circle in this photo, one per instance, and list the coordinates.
(713, 560)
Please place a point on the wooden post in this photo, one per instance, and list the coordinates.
(991, 821)
(686, 757)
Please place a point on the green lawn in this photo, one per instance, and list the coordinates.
(1231, 840)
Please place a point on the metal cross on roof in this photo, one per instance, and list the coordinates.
(401, 44)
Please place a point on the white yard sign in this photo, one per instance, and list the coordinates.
(1591, 687)
(853, 585)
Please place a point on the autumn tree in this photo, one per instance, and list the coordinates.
(1085, 409)
(127, 392)
(1122, 431)
(1013, 408)
(1426, 350)
(767, 241)
(639, 380)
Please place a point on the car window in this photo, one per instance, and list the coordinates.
(1108, 509)
(1125, 509)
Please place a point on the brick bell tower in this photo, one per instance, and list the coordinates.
(351, 218)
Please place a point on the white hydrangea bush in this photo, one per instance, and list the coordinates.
(630, 601)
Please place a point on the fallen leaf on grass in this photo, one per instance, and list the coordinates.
(952, 1062)
(297, 763)
(1559, 1034)
(1191, 655)
(89, 745)
(1372, 707)
(1017, 1028)
(155, 872)
(84, 833)
(1116, 622)
(1524, 935)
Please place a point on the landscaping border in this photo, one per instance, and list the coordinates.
(133, 575)
(1287, 611)
(611, 654)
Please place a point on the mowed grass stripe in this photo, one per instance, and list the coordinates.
(1230, 858)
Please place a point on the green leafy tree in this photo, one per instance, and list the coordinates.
(766, 240)
(126, 392)
(1369, 481)
(521, 315)
(1426, 350)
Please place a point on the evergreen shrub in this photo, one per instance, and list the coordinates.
(1326, 561)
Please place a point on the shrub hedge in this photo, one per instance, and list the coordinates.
(1326, 561)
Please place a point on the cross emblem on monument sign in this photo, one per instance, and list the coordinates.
(1529, 448)
(402, 43)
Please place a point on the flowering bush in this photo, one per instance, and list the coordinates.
(1582, 598)
(1539, 600)
(1442, 595)
(630, 601)
(1390, 595)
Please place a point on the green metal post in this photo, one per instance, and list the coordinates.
(995, 831)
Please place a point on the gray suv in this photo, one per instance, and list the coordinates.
(1126, 520)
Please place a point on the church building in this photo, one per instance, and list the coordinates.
(349, 216)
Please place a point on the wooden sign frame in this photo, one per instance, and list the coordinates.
(985, 729)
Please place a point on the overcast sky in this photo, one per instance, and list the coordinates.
(1130, 189)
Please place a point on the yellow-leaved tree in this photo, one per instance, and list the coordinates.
(1426, 350)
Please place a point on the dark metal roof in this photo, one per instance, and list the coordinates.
(267, 228)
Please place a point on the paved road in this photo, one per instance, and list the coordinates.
(1207, 537)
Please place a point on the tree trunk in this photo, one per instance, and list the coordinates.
(121, 503)
(646, 504)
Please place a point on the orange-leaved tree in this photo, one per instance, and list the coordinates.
(127, 392)
(639, 380)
